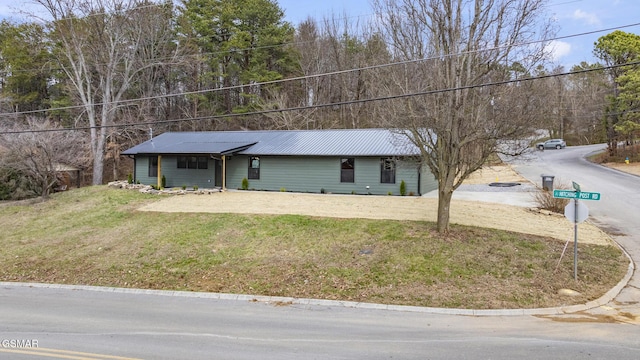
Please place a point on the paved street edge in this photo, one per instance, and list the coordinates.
(350, 304)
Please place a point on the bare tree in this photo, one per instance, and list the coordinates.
(571, 106)
(336, 47)
(460, 121)
(587, 100)
(286, 120)
(101, 49)
(39, 149)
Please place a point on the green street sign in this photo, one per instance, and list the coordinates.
(580, 195)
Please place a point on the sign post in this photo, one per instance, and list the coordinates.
(575, 239)
(576, 213)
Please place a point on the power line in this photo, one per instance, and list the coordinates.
(161, 4)
(307, 77)
(342, 103)
(218, 53)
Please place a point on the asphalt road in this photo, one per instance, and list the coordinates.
(618, 211)
(74, 324)
(173, 327)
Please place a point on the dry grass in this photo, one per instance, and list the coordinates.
(631, 153)
(471, 213)
(96, 236)
(545, 199)
(497, 172)
(631, 168)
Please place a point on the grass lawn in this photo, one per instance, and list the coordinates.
(95, 236)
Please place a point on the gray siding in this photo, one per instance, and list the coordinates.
(237, 169)
(203, 178)
(295, 173)
(311, 174)
(142, 171)
(428, 181)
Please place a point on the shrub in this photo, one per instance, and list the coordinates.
(163, 182)
(11, 182)
(245, 184)
(17, 185)
(403, 188)
(184, 187)
(195, 187)
(322, 191)
(544, 199)
(389, 193)
(283, 189)
(130, 178)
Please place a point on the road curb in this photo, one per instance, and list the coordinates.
(279, 300)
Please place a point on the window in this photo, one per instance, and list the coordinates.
(193, 162)
(153, 166)
(387, 171)
(347, 166)
(182, 162)
(254, 168)
(203, 162)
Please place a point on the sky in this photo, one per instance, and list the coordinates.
(571, 16)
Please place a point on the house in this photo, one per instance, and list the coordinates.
(351, 161)
(67, 175)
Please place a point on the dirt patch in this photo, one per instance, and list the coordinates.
(496, 173)
(473, 213)
(632, 168)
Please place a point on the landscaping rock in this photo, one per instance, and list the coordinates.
(568, 292)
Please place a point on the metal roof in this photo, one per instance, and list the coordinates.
(337, 142)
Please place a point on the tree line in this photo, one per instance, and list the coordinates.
(461, 76)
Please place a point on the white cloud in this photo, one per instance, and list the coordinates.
(558, 49)
(589, 18)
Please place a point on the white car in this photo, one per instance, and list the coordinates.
(552, 144)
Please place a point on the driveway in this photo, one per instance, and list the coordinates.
(616, 212)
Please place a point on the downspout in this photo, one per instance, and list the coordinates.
(159, 172)
(135, 171)
(224, 172)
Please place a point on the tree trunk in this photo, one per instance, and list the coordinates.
(444, 201)
(98, 166)
(451, 127)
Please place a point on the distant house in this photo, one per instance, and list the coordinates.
(360, 161)
(67, 175)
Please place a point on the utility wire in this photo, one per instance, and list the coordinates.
(218, 53)
(360, 101)
(307, 77)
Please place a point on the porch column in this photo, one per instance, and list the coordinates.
(159, 171)
(224, 173)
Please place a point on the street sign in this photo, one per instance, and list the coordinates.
(580, 195)
(576, 186)
(570, 211)
(576, 212)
